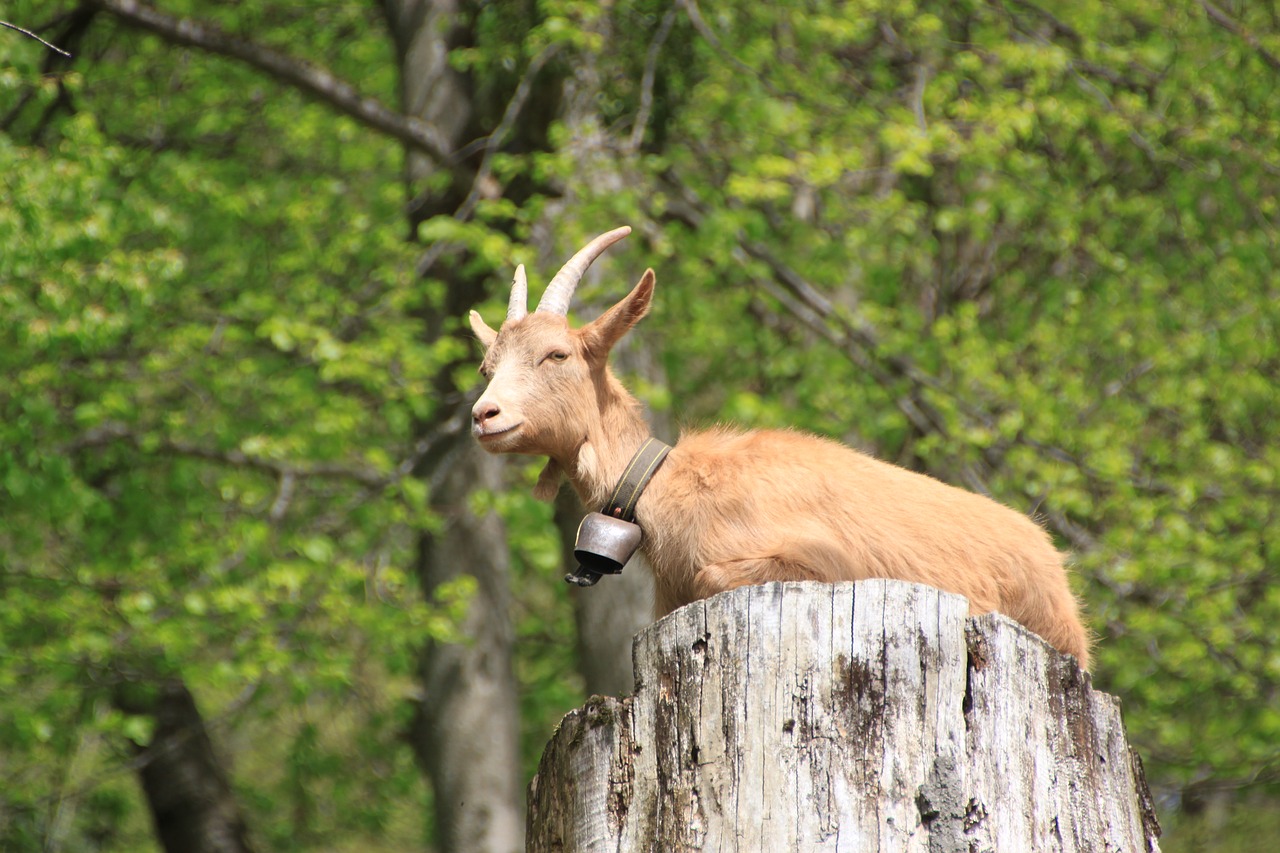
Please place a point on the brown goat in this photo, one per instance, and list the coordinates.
(731, 507)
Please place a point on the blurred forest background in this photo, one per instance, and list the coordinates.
(259, 591)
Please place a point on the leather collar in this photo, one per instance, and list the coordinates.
(640, 470)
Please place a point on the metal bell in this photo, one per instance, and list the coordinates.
(603, 547)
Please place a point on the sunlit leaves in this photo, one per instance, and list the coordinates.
(187, 322)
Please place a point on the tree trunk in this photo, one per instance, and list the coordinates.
(190, 798)
(868, 716)
(466, 732)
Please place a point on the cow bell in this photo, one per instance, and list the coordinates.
(603, 547)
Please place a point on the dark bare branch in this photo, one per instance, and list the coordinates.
(288, 472)
(111, 433)
(1234, 27)
(52, 47)
(646, 81)
(482, 182)
(291, 70)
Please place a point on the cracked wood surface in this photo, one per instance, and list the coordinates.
(819, 717)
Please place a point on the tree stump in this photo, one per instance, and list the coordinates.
(873, 716)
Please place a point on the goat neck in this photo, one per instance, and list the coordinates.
(611, 438)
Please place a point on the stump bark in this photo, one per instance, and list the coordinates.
(873, 716)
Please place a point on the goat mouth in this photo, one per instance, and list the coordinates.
(485, 434)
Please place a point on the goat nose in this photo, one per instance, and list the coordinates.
(483, 411)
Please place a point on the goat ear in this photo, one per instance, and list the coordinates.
(482, 331)
(606, 330)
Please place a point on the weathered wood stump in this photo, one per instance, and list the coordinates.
(872, 717)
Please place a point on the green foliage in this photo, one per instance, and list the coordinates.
(212, 371)
(1051, 230)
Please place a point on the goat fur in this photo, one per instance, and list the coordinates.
(731, 507)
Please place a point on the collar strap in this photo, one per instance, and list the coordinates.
(640, 470)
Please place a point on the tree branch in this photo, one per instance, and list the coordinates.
(646, 81)
(111, 432)
(1232, 26)
(293, 71)
(709, 35)
(287, 472)
(34, 36)
(482, 183)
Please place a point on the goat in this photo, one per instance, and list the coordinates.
(731, 507)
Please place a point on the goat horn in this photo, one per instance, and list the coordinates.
(517, 305)
(560, 291)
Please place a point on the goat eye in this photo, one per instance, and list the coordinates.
(558, 355)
